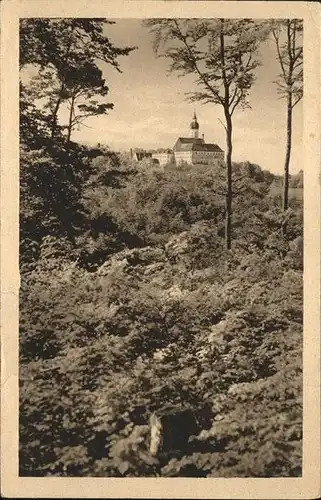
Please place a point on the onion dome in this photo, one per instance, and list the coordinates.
(194, 124)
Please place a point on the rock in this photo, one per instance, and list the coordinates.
(164, 353)
(177, 245)
(131, 258)
(153, 268)
(171, 429)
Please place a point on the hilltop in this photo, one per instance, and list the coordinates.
(130, 304)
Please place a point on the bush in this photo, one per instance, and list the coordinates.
(130, 305)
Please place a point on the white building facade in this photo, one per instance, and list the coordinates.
(164, 158)
(192, 150)
(195, 150)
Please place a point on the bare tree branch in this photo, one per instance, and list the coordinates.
(276, 37)
(224, 126)
(201, 75)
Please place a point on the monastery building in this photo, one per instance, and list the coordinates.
(192, 150)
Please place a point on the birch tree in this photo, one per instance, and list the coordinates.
(222, 55)
(288, 37)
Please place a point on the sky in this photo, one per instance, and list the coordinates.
(151, 111)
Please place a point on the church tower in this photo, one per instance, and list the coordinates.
(194, 126)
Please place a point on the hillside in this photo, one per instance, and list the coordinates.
(295, 188)
(130, 305)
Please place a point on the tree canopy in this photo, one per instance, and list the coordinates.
(68, 54)
(222, 55)
(131, 309)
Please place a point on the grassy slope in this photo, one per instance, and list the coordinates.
(294, 193)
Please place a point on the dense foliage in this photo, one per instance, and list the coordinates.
(132, 310)
(130, 304)
(65, 56)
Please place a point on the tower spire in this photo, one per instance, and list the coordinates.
(194, 126)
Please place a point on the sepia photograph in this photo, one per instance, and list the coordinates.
(161, 246)
(161, 250)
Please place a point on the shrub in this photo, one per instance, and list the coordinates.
(130, 304)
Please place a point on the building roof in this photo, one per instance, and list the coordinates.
(195, 144)
(210, 147)
(163, 151)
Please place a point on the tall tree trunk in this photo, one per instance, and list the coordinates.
(287, 153)
(228, 158)
(62, 87)
(55, 113)
(229, 193)
(71, 112)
